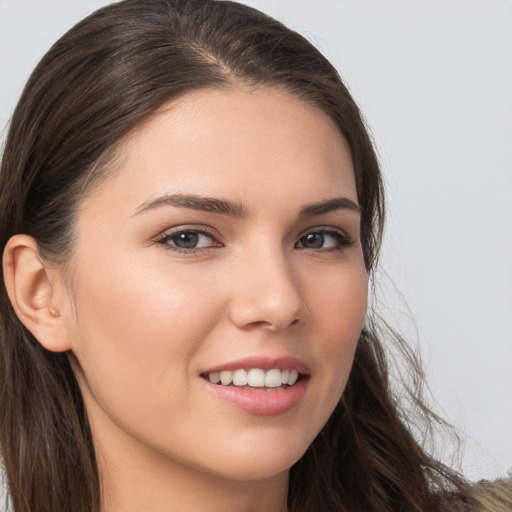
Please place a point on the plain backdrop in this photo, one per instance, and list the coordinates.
(434, 81)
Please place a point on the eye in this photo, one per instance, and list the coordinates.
(324, 239)
(188, 240)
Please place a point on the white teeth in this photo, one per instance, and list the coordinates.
(273, 378)
(255, 377)
(292, 379)
(240, 378)
(214, 377)
(226, 378)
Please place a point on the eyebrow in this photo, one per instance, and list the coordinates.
(233, 209)
(329, 205)
(194, 202)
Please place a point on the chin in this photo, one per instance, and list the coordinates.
(251, 471)
(259, 461)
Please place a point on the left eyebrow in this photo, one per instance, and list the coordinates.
(329, 205)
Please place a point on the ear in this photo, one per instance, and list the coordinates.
(32, 290)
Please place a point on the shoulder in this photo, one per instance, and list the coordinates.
(483, 496)
(495, 496)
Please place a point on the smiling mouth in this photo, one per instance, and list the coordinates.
(255, 378)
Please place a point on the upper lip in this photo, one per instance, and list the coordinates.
(263, 362)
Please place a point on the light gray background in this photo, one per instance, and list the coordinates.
(434, 80)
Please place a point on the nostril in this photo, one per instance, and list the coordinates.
(268, 295)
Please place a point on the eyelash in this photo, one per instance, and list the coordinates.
(342, 240)
(168, 236)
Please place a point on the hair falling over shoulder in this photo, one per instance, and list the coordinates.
(100, 81)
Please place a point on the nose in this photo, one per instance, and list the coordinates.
(267, 293)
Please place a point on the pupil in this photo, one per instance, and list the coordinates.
(314, 240)
(186, 240)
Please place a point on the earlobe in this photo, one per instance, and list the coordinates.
(32, 293)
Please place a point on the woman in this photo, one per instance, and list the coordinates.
(191, 211)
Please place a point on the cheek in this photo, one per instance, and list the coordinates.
(137, 331)
(152, 298)
(340, 306)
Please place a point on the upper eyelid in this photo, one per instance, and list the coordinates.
(324, 229)
(205, 230)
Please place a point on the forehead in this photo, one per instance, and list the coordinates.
(241, 143)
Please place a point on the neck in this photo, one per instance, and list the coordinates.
(189, 491)
(134, 478)
(132, 484)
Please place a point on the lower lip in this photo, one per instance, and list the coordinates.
(262, 402)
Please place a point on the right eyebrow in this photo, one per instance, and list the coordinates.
(194, 202)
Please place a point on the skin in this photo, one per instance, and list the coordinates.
(144, 320)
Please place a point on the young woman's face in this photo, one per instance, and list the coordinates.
(226, 245)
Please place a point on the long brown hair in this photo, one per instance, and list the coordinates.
(99, 82)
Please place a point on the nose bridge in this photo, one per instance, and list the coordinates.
(268, 291)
